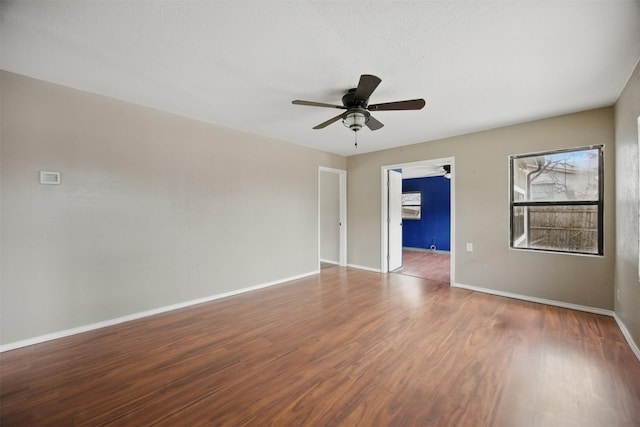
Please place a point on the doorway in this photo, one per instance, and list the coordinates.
(332, 217)
(391, 235)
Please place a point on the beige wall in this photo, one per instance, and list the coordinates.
(482, 209)
(627, 111)
(153, 209)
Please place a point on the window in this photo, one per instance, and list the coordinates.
(412, 205)
(557, 200)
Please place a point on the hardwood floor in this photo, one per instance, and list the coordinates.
(344, 348)
(426, 264)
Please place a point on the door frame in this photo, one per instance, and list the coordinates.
(384, 208)
(342, 196)
(391, 254)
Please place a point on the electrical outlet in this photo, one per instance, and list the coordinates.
(618, 295)
(469, 247)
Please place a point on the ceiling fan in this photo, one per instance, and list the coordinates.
(356, 104)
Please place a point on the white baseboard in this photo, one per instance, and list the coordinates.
(627, 336)
(555, 303)
(98, 325)
(362, 267)
(621, 325)
(134, 316)
(329, 261)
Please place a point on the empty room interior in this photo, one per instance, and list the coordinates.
(319, 213)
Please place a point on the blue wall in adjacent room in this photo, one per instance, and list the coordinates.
(434, 226)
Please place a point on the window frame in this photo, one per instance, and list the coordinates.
(598, 203)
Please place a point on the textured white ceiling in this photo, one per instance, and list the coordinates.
(478, 64)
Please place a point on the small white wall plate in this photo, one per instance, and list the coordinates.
(50, 178)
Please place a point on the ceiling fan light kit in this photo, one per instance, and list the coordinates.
(355, 120)
(356, 102)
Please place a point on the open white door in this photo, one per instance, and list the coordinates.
(395, 220)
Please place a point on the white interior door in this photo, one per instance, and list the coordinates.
(329, 217)
(395, 220)
(332, 216)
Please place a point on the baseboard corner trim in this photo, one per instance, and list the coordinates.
(555, 303)
(90, 327)
(627, 336)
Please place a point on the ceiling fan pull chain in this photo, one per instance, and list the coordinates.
(356, 139)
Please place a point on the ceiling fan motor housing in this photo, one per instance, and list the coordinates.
(349, 100)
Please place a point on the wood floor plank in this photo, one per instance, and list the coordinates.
(344, 348)
(426, 264)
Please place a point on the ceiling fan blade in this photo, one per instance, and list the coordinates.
(373, 124)
(328, 122)
(317, 104)
(412, 104)
(366, 86)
